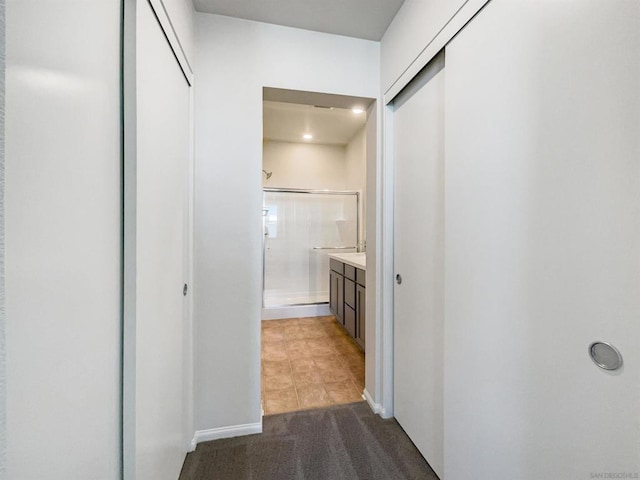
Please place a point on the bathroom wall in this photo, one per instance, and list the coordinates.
(356, 173)
(304, 165)
(319, 167)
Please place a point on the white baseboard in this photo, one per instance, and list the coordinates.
(225, 432)
(295, 311)
(375, 407)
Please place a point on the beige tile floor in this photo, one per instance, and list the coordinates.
(309, 363)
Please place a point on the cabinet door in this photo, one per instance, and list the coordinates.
(336, 266)
(349, 293)
(360, 314)
(333, 292)
(340, 298)
(350, 320)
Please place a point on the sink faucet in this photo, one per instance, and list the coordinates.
(362, 246)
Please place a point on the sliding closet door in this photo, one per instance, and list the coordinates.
(542, 212)
(418, 122)
(154, 380)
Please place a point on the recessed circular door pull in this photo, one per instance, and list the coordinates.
(605, 355)
(398, 279)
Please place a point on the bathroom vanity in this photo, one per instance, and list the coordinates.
(347, 272)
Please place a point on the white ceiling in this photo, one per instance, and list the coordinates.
(288, 122)
(366, 19)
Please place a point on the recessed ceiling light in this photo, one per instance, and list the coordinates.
(307, 136)
(357, 111)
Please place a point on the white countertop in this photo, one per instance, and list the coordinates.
(358, 260)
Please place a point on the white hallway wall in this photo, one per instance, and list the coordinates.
(234, 60)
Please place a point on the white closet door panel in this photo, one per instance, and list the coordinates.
(62, 195)
(418, 315)
(162, 166)
(542, 214)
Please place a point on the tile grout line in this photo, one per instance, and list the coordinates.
(293, 380)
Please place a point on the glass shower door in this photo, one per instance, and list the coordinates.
(300, 230)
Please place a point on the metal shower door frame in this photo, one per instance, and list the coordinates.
(303, 191)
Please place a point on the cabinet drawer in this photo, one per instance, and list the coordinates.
(349, 293)
(350, 320)
(336, 266)
(350, 272)
(361, 277)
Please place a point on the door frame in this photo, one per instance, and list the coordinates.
(376, 360)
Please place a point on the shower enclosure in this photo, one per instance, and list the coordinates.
(301, 227)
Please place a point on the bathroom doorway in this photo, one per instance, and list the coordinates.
(314, 213)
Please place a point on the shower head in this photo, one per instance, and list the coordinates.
(268, 174)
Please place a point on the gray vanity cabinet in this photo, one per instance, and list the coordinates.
(347, 298)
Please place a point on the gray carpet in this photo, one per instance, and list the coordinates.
(345, 442)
